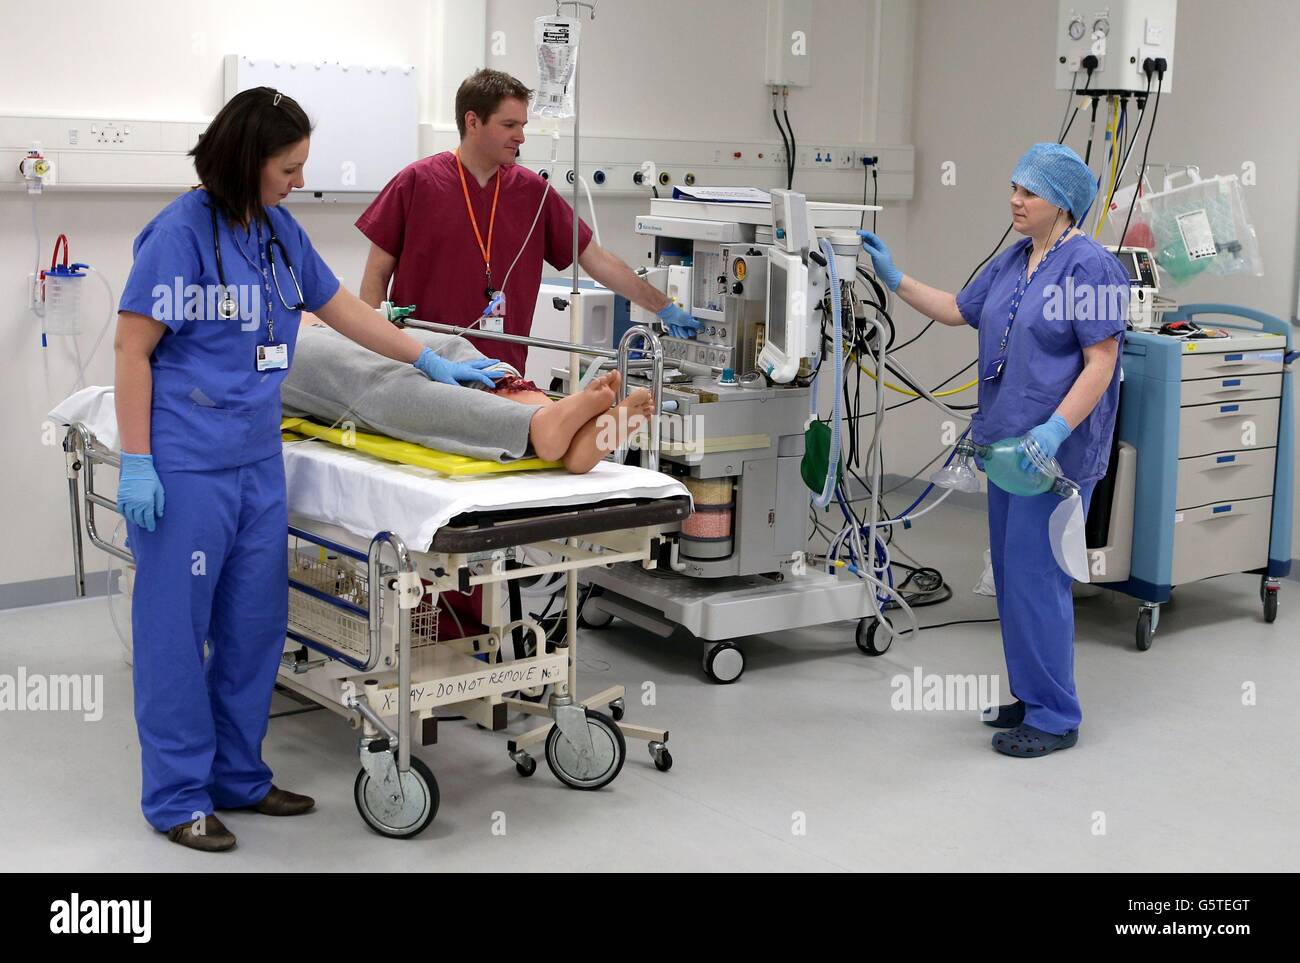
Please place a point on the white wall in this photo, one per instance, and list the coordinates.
(968, 81)
(984, 92)
(696, 70)
(130, 60)
(672, 69)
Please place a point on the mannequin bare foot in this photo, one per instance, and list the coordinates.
(608, 431)
(610, 380)
(553, 427)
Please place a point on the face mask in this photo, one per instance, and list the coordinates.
(1065, 532)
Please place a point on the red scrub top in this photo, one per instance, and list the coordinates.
(421, 219)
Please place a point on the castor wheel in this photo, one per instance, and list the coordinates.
(592, 616)
(866, 640)
(1271, 592)
(617, 709)
(525, 764)
(581, 768)
(724, 663)
(1145, 630)
(397, 804)
(662, 757)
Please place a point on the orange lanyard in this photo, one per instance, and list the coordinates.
(486, 250)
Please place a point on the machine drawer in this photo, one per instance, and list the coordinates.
(1233, 388)
(1232, 363)
(1226, 475)
(1220, 539)
(1203, 429)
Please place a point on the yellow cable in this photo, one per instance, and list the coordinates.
(1112, 129)
(906, 391)
(1110, 116)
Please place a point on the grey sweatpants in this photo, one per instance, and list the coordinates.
(335, 380)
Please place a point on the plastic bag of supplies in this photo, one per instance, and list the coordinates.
(1200, 227)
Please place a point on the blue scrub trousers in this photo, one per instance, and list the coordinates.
(1036, 608)
(214, 569)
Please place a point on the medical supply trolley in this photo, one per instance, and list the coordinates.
(1212, 425)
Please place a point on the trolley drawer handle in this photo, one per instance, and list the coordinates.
(1226, 459)
(1220, 509)
(1232, 383)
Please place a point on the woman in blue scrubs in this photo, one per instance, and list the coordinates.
(1050, 311)
(206, 332)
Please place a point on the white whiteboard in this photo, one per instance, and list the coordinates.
(366, 119)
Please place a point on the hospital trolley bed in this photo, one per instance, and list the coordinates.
(372, 544)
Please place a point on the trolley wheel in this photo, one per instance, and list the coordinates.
(865, 637)
(1263, 588)
(1145, 632)
(617, 709)
(1270, 603)
(525, 765)
(398, 810)
(724, 663)
(662, 757)
(579, 771)
(588, 616)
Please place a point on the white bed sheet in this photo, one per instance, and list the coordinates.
(365, 495)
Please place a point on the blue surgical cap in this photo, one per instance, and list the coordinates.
(1057, 174)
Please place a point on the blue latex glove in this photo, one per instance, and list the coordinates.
(881, 260)
(1049, 436)
(680, 324)
(438, 368)
(140, 496)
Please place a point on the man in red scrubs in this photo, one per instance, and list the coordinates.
(451, 231)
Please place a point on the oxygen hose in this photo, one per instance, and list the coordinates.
(833, 460)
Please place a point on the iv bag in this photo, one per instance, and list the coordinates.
(557, 61)
(1069, 545)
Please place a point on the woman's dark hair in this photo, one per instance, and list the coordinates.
(256, 124)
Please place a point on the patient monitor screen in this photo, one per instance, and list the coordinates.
(776, 303)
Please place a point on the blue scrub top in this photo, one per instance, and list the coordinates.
(1078, 297)
(212, 408)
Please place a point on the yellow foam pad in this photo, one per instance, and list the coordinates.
(406, 452)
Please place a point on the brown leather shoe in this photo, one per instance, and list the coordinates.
(215, 838)
(281, 802)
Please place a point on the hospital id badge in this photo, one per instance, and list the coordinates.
(494, 315)
(272, 357)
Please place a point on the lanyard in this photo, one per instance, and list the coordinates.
(484, 249)
(266, 277)
(1022, 283)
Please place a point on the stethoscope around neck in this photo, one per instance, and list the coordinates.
(227, 308)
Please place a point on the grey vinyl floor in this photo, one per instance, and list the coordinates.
(804, 764)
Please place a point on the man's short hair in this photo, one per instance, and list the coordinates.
(483, 91)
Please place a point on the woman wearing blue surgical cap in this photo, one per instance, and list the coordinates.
(1050, 312)
(206, 332)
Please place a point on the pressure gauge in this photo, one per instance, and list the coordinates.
(738, 269)
(1076, 29)
(1101, 26)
